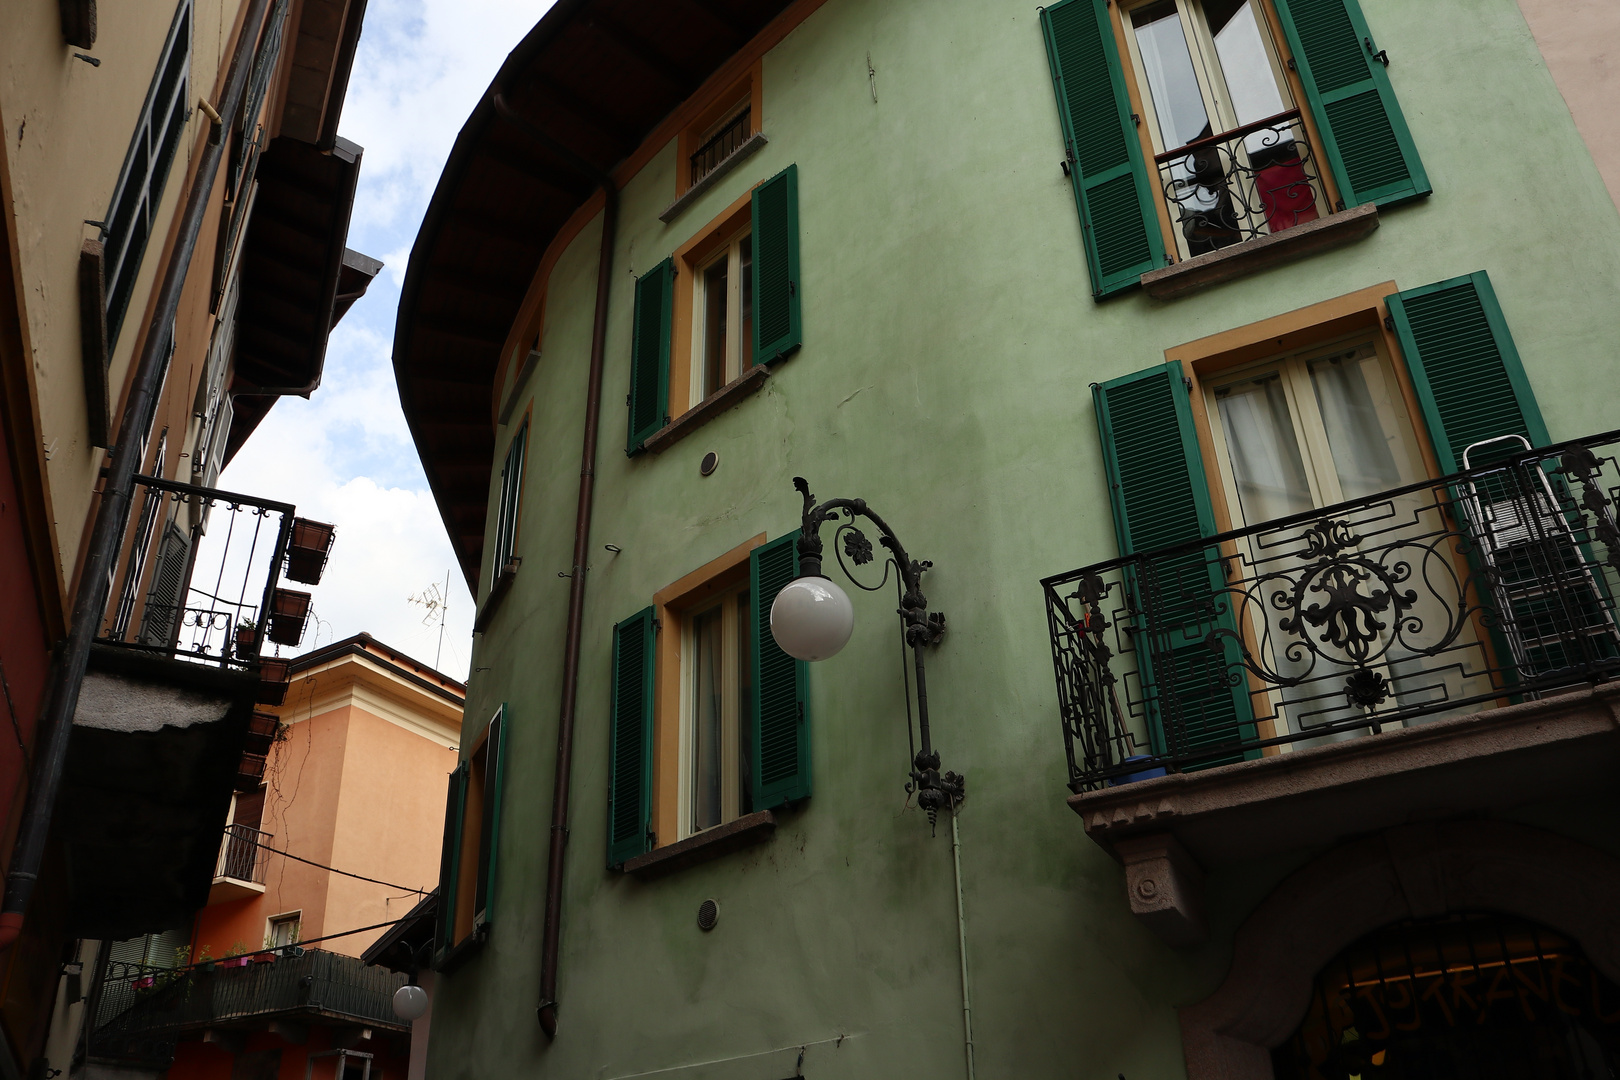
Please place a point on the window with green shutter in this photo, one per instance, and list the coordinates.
(778, 326)
(1214, 144)
(649, 354)
(1346, 81)
(1465, 369)
(1112, 189)
(631, 746)
(1160, 498)
(472, 822)
(781, 722)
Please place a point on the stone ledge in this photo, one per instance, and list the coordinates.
(1251, 256)
(1482, 761)
(497, 593)
(744, 385)
(746, 831)
(696, 191)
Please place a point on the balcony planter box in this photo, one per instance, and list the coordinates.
(236, 962)
(249, 772)
(262, 727)
(244, 641)
(273, 676)
(145, 982)
(289, 610)
(306, 555)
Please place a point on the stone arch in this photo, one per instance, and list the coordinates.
(1411, 872)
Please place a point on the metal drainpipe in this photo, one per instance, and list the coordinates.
(961, 942)
(95, 583)
(546, 1011)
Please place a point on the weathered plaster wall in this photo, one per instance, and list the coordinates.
(950, 339)
(67, 126)
(1581, 42)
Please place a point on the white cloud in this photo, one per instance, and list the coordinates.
(345, 456)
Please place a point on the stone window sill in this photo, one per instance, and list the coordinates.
(696, 191)
(746, 831)
(458, 954)
(497, 593)
(1252, 256)
(710, 407)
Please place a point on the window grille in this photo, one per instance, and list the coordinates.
(721, 145)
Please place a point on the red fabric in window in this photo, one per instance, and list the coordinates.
(1287, 195)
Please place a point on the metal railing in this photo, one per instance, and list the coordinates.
(242, 854)
(166, 1004)
(189, 584)
(1493, 585)
(1252, 181)
(720, 146)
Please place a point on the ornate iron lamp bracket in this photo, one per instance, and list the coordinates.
(935, 790)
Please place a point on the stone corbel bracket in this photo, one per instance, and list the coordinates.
(1165, 886)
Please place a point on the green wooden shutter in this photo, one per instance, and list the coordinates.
(649, 354)
(490, 834)
(1368, 143)
(1112, 188)
(1160, 499)
(450, 856)
(778, 328)
(1464, 367)
(630, 757)
(781, 720)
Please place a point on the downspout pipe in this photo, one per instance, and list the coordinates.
(112, 514)
(546, 1011)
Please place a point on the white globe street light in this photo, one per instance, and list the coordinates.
(812, 618)
(410, 1002)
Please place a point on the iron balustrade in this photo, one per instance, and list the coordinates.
(242, 854)
(1252, 181)
(721, 145)
(1490, 586)
(191, 577)
(168, 1003)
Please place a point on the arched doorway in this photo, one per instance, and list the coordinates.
(1461, 996)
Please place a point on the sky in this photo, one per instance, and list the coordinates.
(345, 456)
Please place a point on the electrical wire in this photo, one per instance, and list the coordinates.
(334, 870)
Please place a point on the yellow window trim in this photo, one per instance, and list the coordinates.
(689, 257)
(671, 604)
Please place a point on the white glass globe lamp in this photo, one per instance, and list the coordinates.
(812, 618)
(410, 1002)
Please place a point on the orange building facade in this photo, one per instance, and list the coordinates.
(351, 792)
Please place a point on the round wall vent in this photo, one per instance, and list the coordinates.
(708, 915)
(710, 462)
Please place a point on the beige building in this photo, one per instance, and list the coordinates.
(174, 208)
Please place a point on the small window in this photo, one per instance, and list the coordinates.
(723, 317)
(1232, 157)
(508, 513)
(721, 140)
(283, 930)
(719, 683)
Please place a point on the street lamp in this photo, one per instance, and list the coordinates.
(812, 619)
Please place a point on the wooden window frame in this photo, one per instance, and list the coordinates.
(1277, 43)
(697, 252)
(673, 605)
(745, 91)
(501, 559)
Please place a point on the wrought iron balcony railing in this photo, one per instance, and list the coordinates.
(241, 855)
(143, 1007)
(1494, 585)
(199, 578)
(1249, 182)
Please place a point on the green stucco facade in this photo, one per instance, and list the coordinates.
(950, 339)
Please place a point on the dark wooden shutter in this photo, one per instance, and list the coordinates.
(166, 597)
(450, 855)
(1464, 368)
(781, 721)
(1368, 143)
(649, 354)
(778, 328)
(1160, 498)
(1112, 188)
(490, 832)
(630, 757)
